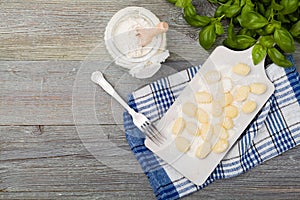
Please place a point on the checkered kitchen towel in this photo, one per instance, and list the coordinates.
(275, 130)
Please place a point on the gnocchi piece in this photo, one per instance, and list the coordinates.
(192, 128)
(228, 99)
(220, 131)
(227, 123)
(206, 132)
(202, 116)
(242, 93)
(178, 126)
(220, 146)
(249, 106)
(203, 97)
(182, 144)
(231, 111)
(258, 88)
(203, 150)
(227, 84)
(217, 109)
(241, 69)
(212, 76)
(189, 109)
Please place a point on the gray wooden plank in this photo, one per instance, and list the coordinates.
(50, 162)
(61, 93)
(51, 92)
(55, 163)
(66, 30)
(71, 30)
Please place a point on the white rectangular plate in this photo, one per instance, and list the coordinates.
(222, 60)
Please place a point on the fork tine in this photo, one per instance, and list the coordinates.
(154, 136)
(155, 133)
(150, 134)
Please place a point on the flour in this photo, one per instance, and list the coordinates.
(124, 45)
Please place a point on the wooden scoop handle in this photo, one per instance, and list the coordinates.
(146, 35)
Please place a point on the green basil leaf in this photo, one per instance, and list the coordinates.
(248, 32)
(284, 40)
(242, 3)
(258, 53)
(219, 28)
(236, 2)
(268, 12)
(277, 24)
(183, 3)
(294, 16)
(295, 29)
(282, 18)
(261, 8)
(207, 36)
(252, 20)
(269, 29)
(266, 2)
(261, 32)
(244, 41)
(266, 41)
(239, 42)
(232, 11)
(278, 58)
(290, 6)
(189, 11)
(172, 1)
(219, 11)
(276, 6)
(198, 20)
(230, 31)
(249, 6)
(230, 43)
(222, 8)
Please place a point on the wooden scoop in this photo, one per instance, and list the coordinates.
(146, 35)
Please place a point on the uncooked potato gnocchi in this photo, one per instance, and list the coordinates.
(203, 97)
(228, 99)
(241, 69)
(203, 150)
(231, 111)
(220, 146)
(189, 109)
(220, 131)
(258, 88)
(227, 123)
(178, 126)
(249, 106)
(206, 132)
(214, 122)
(242, 93)
(202, 116)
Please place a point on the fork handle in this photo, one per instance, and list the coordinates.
(110, 90)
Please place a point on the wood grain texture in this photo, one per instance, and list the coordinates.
(54, 163)
(55, 125)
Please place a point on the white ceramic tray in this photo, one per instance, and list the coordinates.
(222, 59)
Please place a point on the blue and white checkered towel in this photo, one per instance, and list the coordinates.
(275, 130)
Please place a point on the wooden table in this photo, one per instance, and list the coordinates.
(47, 49)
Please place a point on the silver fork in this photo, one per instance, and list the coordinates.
(140, 120)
